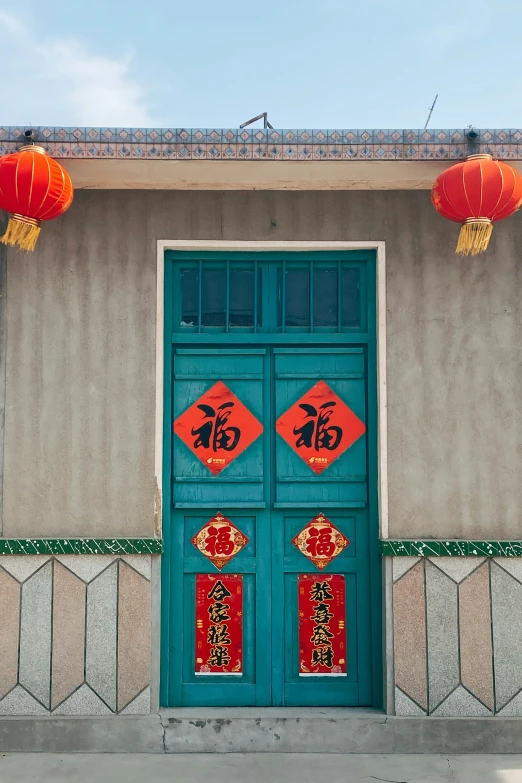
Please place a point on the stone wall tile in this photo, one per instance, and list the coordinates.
(35, 634)
(102, 634)
(86, 567)
(506, 608)
(140, 705)
(133, 635)
(68, 661)
(512, 565)
(401, 565)
(83, 702)
(22, 566)
(457, 568)
(19, 702)
(410, 634)
(141, 563)
(513, 708)
(461, 704)
(476, 664)
(10, 603)
(442, 631)
(406, 707)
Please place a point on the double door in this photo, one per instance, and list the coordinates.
(268, 584)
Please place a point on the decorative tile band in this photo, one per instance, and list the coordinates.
(81, 546)
(457, 632)
(264, 144)
(429, 548)
(76, 635)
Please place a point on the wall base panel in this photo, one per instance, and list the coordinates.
(458, 636)
(76, 635)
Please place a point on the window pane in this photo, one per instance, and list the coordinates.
(297, 297)
(189, 297)
(350, 297)
(325, 297)
(241, 297)
(213, 297)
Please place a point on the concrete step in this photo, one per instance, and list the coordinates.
(333, 730)
(235, 730)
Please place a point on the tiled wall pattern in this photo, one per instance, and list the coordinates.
(458, 636)
(75, 635)
(265, 144)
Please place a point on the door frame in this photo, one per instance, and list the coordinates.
(382, 627)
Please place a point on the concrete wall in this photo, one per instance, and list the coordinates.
(79, 448)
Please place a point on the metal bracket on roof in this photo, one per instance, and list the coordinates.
(263, 117)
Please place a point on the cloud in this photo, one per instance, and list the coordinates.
(59, 80)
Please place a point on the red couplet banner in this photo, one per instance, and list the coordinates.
(322, 624)
(219, 624)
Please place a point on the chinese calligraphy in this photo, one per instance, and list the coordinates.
(217, 427)
(316, 431)
(223, 437)
(319, 427)
(322, 625)
(219, 624)
(219, 540)
(320, 541)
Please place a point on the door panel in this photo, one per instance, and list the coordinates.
(241, 485)
(239, 494)
(343, 484)
(316, 690)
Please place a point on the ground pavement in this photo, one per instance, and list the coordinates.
(257, 768)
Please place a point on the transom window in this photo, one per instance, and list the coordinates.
(296, 292)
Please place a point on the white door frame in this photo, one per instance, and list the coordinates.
(272, 246)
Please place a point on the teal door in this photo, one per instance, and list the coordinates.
(271, 574)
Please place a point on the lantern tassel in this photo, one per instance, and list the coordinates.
(21, 232)
(474, 236)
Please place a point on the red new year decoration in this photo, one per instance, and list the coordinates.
(320, 541)
(322, 624)
(33, 188)
(219, 540)
(478, 192)
(320, 427)
(217, 427)
(219, 624)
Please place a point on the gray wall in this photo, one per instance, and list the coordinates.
(79, 447)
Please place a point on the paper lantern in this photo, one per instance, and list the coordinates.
(33, 188)
(478, 192)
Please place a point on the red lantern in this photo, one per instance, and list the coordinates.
(477, 193)
(33, 187)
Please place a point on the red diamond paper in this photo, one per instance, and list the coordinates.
(320, 427)
(217, 427)
(320, 541)
(219, 540)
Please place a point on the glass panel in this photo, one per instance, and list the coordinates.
(297, 297)
(350, 297)
(189, 297)
(241, 297)
(325, 297)
(213, 297)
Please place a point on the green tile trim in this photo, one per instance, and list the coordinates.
(429, 548)
(81, 546)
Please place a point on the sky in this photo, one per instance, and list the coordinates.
(308, 63)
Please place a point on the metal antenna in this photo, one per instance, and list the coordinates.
(431, 111)
(263, 116)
